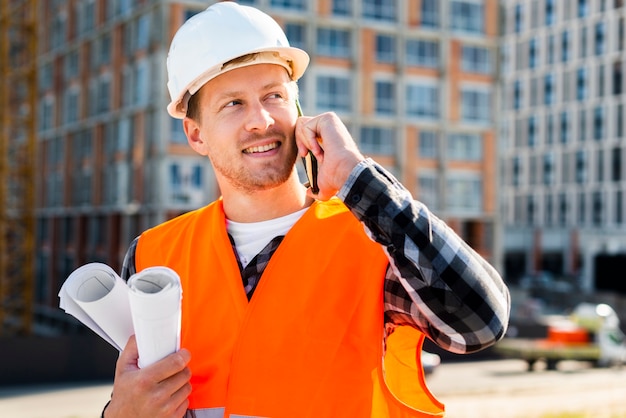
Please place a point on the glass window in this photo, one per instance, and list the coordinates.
(532, 131)
(333, 93)
(385, 98)
(550, 48)
(422, 53)
(465, 147)
(518, 17)
(564, 127)
(517, 94)
(464, 192)
(143, 31)
(516, 171)
(549, 96)
(430, 13)
(386, 49)
(428, 144)
(550, 15)
(289, 4)
(581, 166)
(533, 53)
(296, 34)
(186, 183)
(598, 123)
(581, 84)
(379, 9)
(428, 190)
(565, 46)
(422, 100)
(333, 42)
(467, 16)
(342, 7)
(475, 105)
(583, 42)
(583, 8)
(600, 41)
(377, 140)
(475, 59)
(548, 168)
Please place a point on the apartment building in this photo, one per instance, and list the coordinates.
(562, 140)
(414, 80)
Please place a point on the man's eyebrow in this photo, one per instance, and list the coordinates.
(231, 94)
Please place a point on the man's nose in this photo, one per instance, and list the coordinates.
(258, 117)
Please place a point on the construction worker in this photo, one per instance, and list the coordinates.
(296, 303)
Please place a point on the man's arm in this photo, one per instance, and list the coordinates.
(435, 281)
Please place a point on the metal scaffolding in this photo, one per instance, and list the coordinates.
(18, 128)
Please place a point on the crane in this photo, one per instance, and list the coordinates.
(18, 128)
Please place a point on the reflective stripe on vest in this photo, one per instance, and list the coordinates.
(309, 343)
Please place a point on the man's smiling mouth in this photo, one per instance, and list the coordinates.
(262, 148)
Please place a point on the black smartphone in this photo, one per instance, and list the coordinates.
(310, 163)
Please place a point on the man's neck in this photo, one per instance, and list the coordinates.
(268, 204)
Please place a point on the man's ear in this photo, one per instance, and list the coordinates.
(192, 131)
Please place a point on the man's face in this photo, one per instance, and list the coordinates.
(246, 127)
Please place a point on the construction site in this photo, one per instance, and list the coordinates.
(89, 158)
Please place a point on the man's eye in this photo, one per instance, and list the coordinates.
(233, 103)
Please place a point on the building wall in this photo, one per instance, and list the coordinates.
(562, 136)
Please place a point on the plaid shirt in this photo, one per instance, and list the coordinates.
(434, 280)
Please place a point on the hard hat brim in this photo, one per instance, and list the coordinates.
(295, 60)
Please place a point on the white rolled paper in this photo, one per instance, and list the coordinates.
(155, 301)
(95, 295)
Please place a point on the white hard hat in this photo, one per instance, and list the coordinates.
(219, 34)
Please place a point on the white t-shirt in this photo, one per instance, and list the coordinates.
(251, 237)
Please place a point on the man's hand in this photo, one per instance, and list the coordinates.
(331, 143)
(159, 390)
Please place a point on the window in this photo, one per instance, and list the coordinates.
(422, 53)
(565, 46)
(46, 113)
(430, 13)
(465, 147)
(550, 49)
(581, 166)
(549, 129)
(600, 165)
(333, 42)
(177, 133)
(141, 82)
(583, 8)
(601, 83)
(289, 4)
(334, 93)
(617, 78)
(143, 32)
(600, 46)
(563, 209)
(71, 105)
(583, 42)
(619, 120)
(533, 53)
(422, 100)
(428, 190)
(564, 127)
(550, 15)
(616, 164)
(377, 140)
(296, 34)
(72, 65)
(596, 208)
(379, 10)
(476, 105)
(385, 49)
(186, 183)
(428, 144)
(516, 171)
(476, 59)
(517, 94)
(582, 125)
(518, 18)
(581, 84)
(342, 7)
(598, 123)
(548, 168)
(548, 96)
(532, 131)
(467, 16)
(385, 98)
(464, 191)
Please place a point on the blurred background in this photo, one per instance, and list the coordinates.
(505, 117)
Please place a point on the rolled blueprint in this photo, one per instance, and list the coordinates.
(95, 295)
(155, 301)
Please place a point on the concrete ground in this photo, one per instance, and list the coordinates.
(485, 389)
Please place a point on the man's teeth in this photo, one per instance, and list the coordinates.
(262, 148)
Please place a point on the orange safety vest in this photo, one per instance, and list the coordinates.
(310, 341)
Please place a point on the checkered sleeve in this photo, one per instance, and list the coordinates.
(434, 281)
(128, 266)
